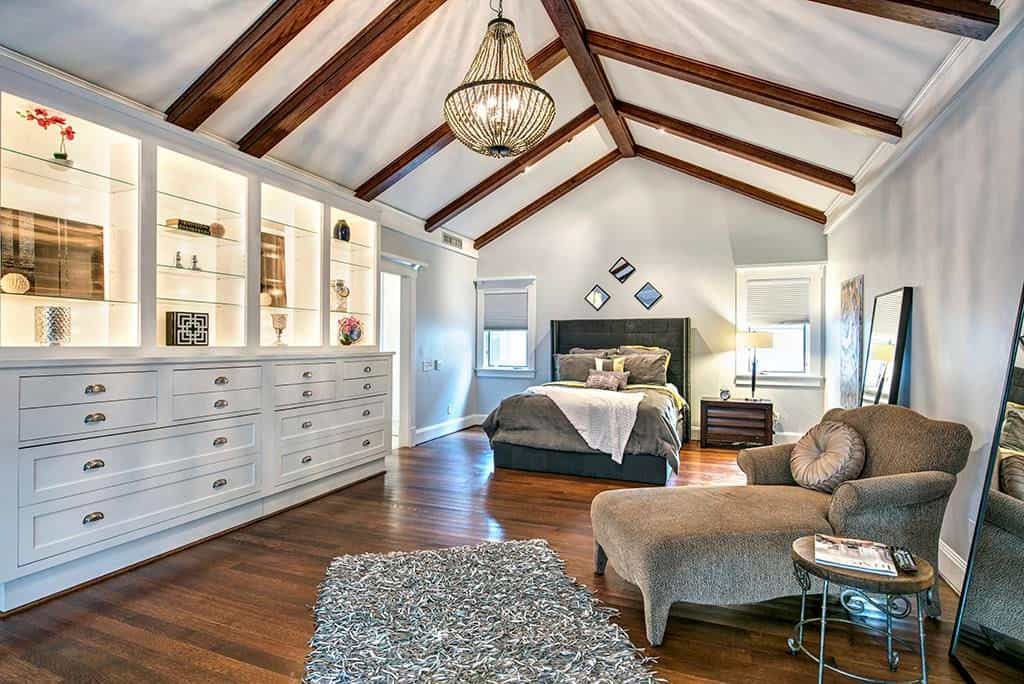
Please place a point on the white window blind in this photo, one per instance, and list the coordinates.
(779, 301)
(506, 311)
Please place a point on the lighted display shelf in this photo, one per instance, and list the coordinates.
(69, 229)
(290, 285)
(353, 268)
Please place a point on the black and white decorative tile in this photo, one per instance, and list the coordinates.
(648, 295)
(597, 297)
(622, 269)
(187, 329)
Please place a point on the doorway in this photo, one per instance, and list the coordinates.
(397, 335)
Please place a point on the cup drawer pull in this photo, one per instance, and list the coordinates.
(366, 412)
(307, 374)
(93, 464)
(367, 386)
(220, 441)
(221, 380)
(307, 458)
(217, 484)
(220, 403)
(307, 424)
(95, 389)
(92, 517)
(94, 418)
(366, 442)
(306, 394)
(367, 369)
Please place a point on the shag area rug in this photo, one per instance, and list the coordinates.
(497, 612)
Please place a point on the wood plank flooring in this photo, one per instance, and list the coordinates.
(238, 608)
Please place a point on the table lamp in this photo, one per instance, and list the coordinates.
(754, 341)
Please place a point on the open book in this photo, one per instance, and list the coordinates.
(854, 554)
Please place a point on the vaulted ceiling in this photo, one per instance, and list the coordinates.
(783, 101)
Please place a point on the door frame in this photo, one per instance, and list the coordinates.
(407, 270)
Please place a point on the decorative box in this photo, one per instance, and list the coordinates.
(187, 329)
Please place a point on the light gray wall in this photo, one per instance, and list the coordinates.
(685, 236)
(949, 221)
(445, 328)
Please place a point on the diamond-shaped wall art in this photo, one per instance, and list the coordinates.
(648, 295)
(597, 297)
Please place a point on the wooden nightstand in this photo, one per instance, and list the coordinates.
(735, 423)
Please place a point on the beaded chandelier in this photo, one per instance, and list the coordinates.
(499, 110)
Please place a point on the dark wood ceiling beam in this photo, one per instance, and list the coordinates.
(969, 18)
(740, 148)
(274, 29)
(728, 183)
(383, 33)
(517, 166)
(567, 20)
(541, 63)
(751, 88)
(547, 198)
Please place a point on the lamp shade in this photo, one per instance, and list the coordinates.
(883, 352)
(755, 340)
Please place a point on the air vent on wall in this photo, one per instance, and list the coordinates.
(451, 240)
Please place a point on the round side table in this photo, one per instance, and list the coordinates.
(896, 591)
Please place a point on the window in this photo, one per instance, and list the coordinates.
(785, 302)
(505, 327)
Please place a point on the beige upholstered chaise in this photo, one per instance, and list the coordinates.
(729, 545)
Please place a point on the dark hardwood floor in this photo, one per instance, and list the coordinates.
(238, 608)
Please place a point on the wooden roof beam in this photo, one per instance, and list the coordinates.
(969, 18)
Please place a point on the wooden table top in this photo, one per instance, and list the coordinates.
(803, 555)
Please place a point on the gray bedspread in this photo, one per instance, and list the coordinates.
(533, 420)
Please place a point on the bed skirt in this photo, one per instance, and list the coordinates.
(643, 468)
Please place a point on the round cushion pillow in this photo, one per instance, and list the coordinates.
(827, 456)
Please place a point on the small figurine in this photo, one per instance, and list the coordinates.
(195, 263)
(177, 260)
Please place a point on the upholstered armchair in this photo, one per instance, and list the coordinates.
(729, 545)
(996, 578)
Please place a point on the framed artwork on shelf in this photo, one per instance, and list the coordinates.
(648, 295)
(622, 269)
(272, 275)
(187, 329)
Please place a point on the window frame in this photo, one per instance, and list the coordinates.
(814, 375)
(507, 285)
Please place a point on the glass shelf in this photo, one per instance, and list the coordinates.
(201, 273)
(350, 264)
(178, 232)
(220, 213)
(204, 302)
(61, 174)
(85, 300)
(286, 309)
(280, 227)
(350, 313)
(336, 241)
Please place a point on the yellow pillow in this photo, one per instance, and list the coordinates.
(617, 364)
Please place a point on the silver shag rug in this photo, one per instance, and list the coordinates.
(498, 612)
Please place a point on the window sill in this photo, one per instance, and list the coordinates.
(506, 373)
(809, 381)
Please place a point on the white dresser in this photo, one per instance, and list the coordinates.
(109, 463)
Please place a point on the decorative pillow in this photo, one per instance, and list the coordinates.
(595, 352)
(615, 363)
(621, 379)
(827, 456)
(574, 366)
(1013, 428)
(1011, 473)
(646, 368)
(640, 349)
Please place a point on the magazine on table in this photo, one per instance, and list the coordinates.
(854, 554)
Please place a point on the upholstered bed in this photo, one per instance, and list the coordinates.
(530, 433)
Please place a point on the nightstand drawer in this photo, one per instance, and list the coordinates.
(735, 423)
(61, 390)
(65, 421)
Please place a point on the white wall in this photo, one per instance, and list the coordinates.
(683, 235)
(445, 332)
(949, 221)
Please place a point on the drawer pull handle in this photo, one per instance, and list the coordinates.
(367, 386)
(94, 418)
(217, 484)
(307, 459)
(307, 394)
(221, 380)
(92, 517)
(307, 424)
(366, 412)
(220, 403)
(220, 441)
(366, 442)
(94, 464)
(95, 389)
(367, 369)
(307, 374)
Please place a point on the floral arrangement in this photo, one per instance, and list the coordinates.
(45, 119)
(350, 330)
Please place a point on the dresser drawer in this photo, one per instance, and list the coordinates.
(193, 381)
(297, 373)
(323, 420)
(59, 526)
(61, 390)
(365, 369)
(364, 387)
(64, 421)
(215, 403)
(303, 394)
(332, 456)
(56, 471)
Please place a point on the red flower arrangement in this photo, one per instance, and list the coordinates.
(45, 119)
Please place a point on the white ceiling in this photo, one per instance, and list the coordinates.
(151, 50)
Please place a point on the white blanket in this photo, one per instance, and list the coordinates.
(604, 419)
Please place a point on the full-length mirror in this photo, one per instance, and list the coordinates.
(885, 368)
(988, 644)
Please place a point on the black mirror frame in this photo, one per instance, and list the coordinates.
(900, 353)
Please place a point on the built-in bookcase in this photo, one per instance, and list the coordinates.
(69, 228)
(353, 269)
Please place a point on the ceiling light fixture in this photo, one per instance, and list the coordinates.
(499, 110)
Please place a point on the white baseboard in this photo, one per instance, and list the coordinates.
(425, 434)
(952, 567)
